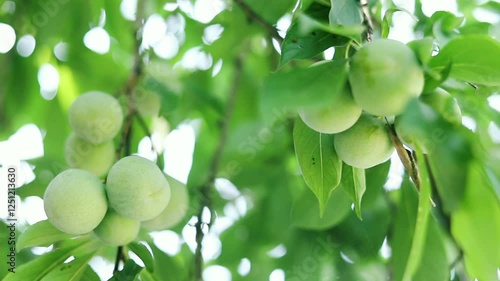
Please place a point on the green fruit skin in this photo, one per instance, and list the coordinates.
(445, 104)
(174, 212)
(337, 117)
(147, 103)
(95, 158)
(75, 201)
(96, 117)
(384, 76)
(117, 230)
(364, 145)
(137, 188)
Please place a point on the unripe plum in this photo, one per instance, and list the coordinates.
(75, 201)
(384, 76)
(147, 103)
(95, 158)
(117, 230)
(335, 117)
(176, 209)
(365, 144)
(137, 188)
(96, 117)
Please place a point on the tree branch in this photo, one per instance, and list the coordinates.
(367, 19)
(252, 15)
(205, 188)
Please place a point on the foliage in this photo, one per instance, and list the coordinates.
(238, 77)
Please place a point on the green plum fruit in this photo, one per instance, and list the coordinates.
(117, 230)
(444, 104)
(96, 117)
(95, 158)
(384, 76)
(147, 103)
(337, 116)
(75, 201)
(137, 188)
(175, 211)
(365, 144)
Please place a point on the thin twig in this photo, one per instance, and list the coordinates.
(205, 200)
(126, 136)
(251, 14)
(367, 19)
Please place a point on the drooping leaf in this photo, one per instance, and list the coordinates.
(305, 213)
(476, 226)
(42, 233)
(423, 49)
(473, 58)
(387, 20)
(320, 165)
(354, 183)
(143, 253)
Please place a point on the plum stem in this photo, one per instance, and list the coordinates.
(367, 19)
(205, 188)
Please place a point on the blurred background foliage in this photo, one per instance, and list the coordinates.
(194, 54)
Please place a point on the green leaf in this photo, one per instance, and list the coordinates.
(308, 24)
(271, 15)
(474, 58)
(354, 183)
(312, 86)
(431, 263)
(476, 226)
(129, 272)
(387, 20)
(298, 45)
(143, 253)
(42, 233)
(345, 12)
(38, 268)
(320, 165)
(423, 49)
(72, 271)
(306, 208)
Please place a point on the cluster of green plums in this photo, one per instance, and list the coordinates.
(384, 76)
(135, 192)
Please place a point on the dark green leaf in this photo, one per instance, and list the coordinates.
(320, 165)
(42, 233)
(143, 253)
(129, 272)
(312, 86)
(476, 226)
(473, 58)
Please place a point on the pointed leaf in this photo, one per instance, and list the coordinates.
(474, 58)
(345, 12)
(128, 273)
(476, 226)
(320, 165)
(143, 253)
(42, 233)
(354, 183)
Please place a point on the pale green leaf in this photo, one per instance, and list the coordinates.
(42, 233)
(320, 165)
(476, 226)
(345, 12)
(473, 58)
(354, 183)
(72, 271)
